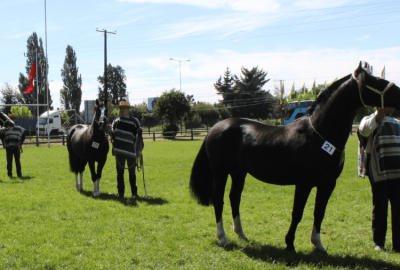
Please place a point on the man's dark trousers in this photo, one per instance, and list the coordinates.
(10, 153)
(382, 193)
(120, 174)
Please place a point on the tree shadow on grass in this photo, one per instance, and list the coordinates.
(271, 254)
(127, 201)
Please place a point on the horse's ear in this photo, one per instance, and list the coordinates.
(97, 102)
(357, 73)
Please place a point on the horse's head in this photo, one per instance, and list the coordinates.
(375, 91)
(5, 121)
(100, 114)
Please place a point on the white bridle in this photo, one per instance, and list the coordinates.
(373, 89)
(102, 110)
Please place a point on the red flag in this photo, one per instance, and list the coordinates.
(31, 77)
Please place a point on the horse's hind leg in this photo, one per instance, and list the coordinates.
(218, 201)
(300, 200)
(238, 179)
(324, 192)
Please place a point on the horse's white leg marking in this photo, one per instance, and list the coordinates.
(316, 240)
(221, 233)
(237, 227)
(98, 187)
(77, 183)
(95, 194)
(81, 180)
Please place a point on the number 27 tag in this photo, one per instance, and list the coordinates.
(95, 145)
(329, 148)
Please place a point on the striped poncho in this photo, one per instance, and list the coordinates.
(13, 137)
(385, 153)
(124, 132)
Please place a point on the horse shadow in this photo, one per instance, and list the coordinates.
(127, 201)
(272, 254)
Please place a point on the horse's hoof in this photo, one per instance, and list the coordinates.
(290, 251)
(242, 236)
(223, 241)
(321, 250)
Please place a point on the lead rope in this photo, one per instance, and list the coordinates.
(341, 151)
(140, 167)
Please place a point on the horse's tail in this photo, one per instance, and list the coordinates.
(72, 157)
(201, 179)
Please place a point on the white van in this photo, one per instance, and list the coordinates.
(51, 125)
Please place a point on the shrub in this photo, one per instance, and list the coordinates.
(167, 128)
(195, 122)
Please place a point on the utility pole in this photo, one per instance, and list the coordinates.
(105, 61)
(282, 107)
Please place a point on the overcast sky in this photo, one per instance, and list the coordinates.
(294, 41)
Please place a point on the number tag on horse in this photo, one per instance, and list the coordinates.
(329, 148)
(95, 145)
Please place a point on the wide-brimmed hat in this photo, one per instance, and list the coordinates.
(12, 116)
(123, 104)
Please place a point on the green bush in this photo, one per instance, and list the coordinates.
(195, 122)
(167, 128)
(272, 122)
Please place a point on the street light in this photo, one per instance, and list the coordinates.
(180, 76)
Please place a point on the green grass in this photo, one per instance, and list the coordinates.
(46, 224)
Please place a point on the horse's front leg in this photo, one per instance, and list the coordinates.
(300, 199)
(324, 192)
(100, 166)
(94, 179)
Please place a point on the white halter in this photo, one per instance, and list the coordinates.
(373, 89)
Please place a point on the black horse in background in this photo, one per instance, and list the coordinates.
(5, 121)
(313, 146)
(88, 144)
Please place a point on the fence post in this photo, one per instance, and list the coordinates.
(63, 136)
(192, 133)
(154, 136)
(37, 140)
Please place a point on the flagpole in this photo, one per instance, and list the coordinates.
(37, 94)
(47, 83)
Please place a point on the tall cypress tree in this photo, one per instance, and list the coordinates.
(34, 43)
(71, 95)
(116, 86)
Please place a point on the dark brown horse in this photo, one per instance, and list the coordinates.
(313, 146)
(89, 144)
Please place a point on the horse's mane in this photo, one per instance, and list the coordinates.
(326, 94)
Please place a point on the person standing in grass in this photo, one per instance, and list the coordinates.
(379, 159)
(125, 132)
(12, 140)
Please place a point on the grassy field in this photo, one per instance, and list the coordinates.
(46, 224)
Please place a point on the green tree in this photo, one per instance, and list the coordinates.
(116, 86)
(246, 98)
(225, 88)
(21, 111)
(34, 43)
(138, 110)
(10, 95)
(208, 113)
(172, 105)
(71, 93)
